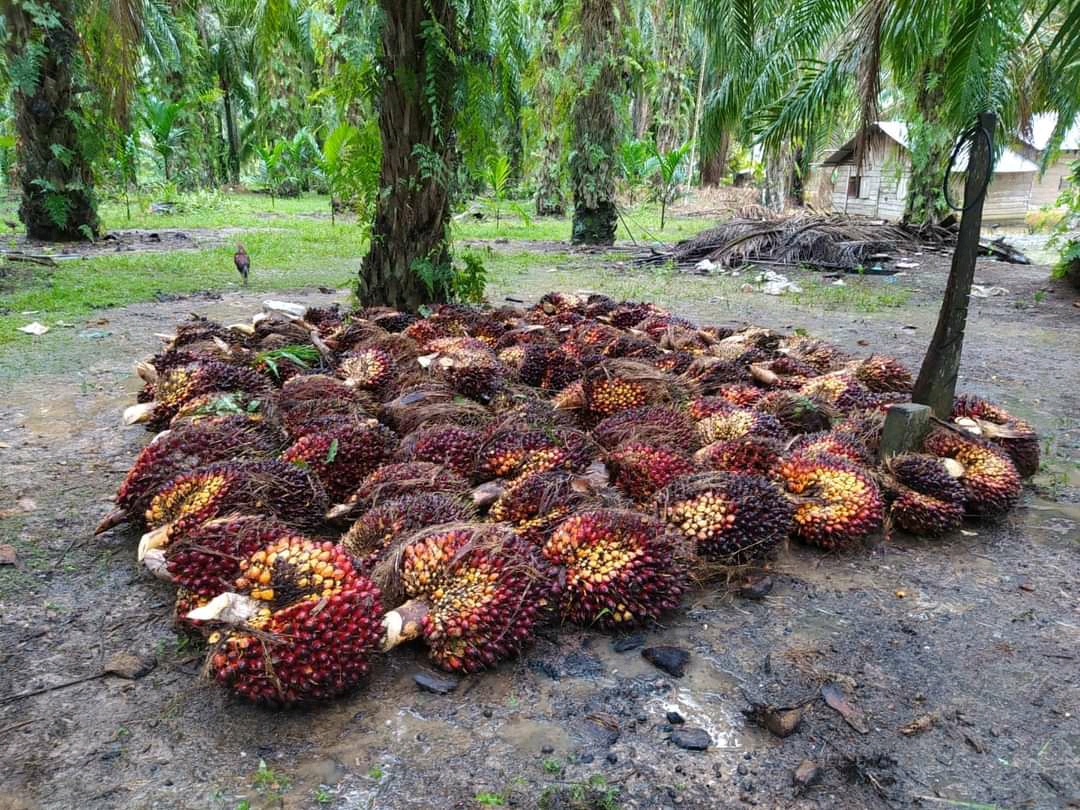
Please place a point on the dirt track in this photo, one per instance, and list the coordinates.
(979, 631)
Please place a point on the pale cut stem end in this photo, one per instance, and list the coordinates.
(403, 623)
(137, 414)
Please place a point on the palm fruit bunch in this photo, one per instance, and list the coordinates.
(252, 406)
(509, 453)
(450, 445)
(708, 375)
(374, 532)
(303, 624)
(534, 504)
(836, 443)
(924, 493)
(798, 413)
(819, 354)
(184, 383)
(371, 368)
(1015, 436)
(307, 401)
(341, 456)
(842, 503)
(674, 362)
(991, 483)
(629, 314)
(547, 367)
(736, 423)
(740, 394)
(183, 449)
(884, 375)
(206, 560)
(616, 385)
(842, 391)
(752, 454)
(397, 480)
(274, 488)
(475, 592)
(622, 567)
(732, 518)
(702, 407)
(640, 468)
(648, 423)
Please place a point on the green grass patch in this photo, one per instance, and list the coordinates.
(857, 294)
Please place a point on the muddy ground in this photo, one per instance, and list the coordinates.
(973, 638)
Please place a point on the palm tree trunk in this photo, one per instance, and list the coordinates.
(410, 231)
(929, 145)
(230, 129)
(714, 166)
(55, 176)
(672, 42)
(549, 191)
(594, 121)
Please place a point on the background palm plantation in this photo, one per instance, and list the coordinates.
(401, 110)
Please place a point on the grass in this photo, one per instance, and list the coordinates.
(292, 245)
(857, 294)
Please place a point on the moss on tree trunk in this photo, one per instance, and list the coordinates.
(54, 175)
(409, 235)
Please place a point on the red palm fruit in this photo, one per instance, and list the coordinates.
(184, 383)
(476, 594)
(787, 366)
(703, 407)
(513, 356)
(343, 455)
(368, 540)
(535, 504)
(633, 347)
(655, 326)
(798, 413)
(553, 303)
(616, 385)
(834, 443)
(991, 483)
(738, 423)
(928, 475)
(732, 518)
(883, 375)
(1015, 436)
(450, 445)
(821, 355)
(841, 390)
(748, 454)
(548, 367)
(391, 481)
(621, 567)
(628, 314)
(843, 504)
(745, 396)
(488, 330)
(925, 515)
(206, 560)
(509, 452)
(650, 423)
(674, 362)
(423, 331)
(274, 488)
(597, 304)
(590, 338)
(571, 398)
(370, 368)
(216, 404)
(639, 469)
(158, 367)
(303, 625)
(183, 449)
(479, 383)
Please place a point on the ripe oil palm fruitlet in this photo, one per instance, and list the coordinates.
(487, 471)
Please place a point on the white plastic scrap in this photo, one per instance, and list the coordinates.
(34, 328)
(980, 291)
(777, 283)
(705, 266)
(286, 308)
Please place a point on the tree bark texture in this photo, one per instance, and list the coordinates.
(929, 145)
(550, 201)
(410, 230)
(230, 129)
(714, 166)
(936, 384)
(594, 120)
(671, 60)
(53, 173)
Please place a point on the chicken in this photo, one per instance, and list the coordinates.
(242, 262)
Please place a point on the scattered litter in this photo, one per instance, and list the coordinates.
(979, 291)
(704, 266)
(839, 283)
(285, 308)
(34, 328)
(777, 283)
(906, 265)
(837, 701)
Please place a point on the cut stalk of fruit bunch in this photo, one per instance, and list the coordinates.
(182, 384)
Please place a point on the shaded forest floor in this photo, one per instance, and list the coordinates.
(973, 637)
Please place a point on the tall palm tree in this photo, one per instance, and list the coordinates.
(594, 120)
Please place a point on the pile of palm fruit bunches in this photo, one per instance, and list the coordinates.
(324, 486)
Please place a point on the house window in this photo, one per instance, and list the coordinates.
(854, 185)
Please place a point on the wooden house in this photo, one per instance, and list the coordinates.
(879, 188)
(1046, 186)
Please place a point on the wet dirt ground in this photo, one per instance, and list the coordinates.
(973, 638)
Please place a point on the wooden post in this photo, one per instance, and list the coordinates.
(936, 385)
(905, 428)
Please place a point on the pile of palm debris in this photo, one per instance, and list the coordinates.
(830, 242)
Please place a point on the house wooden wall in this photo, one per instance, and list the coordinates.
(883, 187)
(1045, 189)
(1008, 196)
